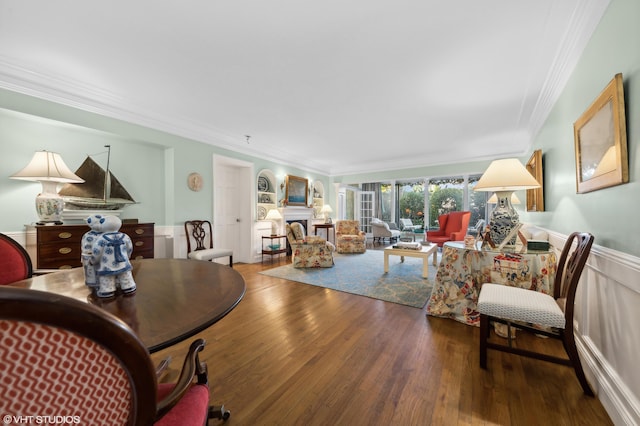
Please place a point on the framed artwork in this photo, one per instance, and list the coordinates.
(600, 136)
(535, 197)
(296, 190)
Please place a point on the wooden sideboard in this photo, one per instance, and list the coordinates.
(58, 246)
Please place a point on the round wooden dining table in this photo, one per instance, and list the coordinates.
(175, 298)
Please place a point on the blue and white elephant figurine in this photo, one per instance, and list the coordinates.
(105, 256)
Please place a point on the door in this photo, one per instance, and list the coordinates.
(366, 210)
(232, 206)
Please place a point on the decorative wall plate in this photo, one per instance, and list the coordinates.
(262, 213)
(263, 184)
(194, 181)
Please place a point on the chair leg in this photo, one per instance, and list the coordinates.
(231, 261)
(484, 336)
(219, 412)
(569, 342)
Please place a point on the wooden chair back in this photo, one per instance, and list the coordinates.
(200, 233)
(570, 266)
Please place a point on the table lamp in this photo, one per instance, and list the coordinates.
(494, 199)
(49, 169)
(326, 209)
(274, 215)
(504, 177)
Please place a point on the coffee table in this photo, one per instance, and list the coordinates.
(423, 254)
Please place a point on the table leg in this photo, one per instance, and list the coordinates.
(425, 267)
(386, 262)
(435, 257)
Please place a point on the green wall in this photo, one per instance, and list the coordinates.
(611, 214)
(151, 164)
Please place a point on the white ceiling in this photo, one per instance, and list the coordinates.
(335, 86)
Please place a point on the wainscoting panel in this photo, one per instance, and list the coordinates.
(608, 328)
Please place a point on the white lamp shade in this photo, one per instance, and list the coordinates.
(47, 166)
(273, 214)
(326, 209)
(506, 175)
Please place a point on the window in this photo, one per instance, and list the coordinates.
(386, 196)
(411, 201)
(448, 194)
(445, 195)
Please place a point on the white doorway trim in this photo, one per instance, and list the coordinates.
(244, 197)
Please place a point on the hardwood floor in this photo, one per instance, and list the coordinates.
(296, 354)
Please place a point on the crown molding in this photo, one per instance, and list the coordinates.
(54, 88)
(585, 18)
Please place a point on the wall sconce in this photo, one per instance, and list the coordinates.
(49, 169)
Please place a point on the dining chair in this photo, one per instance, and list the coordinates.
(539, 313)
(200, 242)
(15, 263)
(61, 355)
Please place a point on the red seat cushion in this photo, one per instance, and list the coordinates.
(192, 409)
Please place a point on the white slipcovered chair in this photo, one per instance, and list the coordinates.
(407, 225)
(381, 230)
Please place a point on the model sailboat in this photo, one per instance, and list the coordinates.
(101, 190)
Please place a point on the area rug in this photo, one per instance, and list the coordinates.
(363, 274)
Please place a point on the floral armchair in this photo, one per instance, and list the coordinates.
(308, 251)
(349, 237)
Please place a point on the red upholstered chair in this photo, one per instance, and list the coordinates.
(15, 263)
(61, 356)
(453, 227)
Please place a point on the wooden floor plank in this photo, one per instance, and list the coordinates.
(296, 354)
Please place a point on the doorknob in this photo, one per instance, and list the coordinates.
(237, 219)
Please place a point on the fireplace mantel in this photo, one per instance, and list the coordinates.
(296, 213)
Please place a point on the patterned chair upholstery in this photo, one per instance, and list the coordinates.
(308, 252)
(80, 361)
(349, 237)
